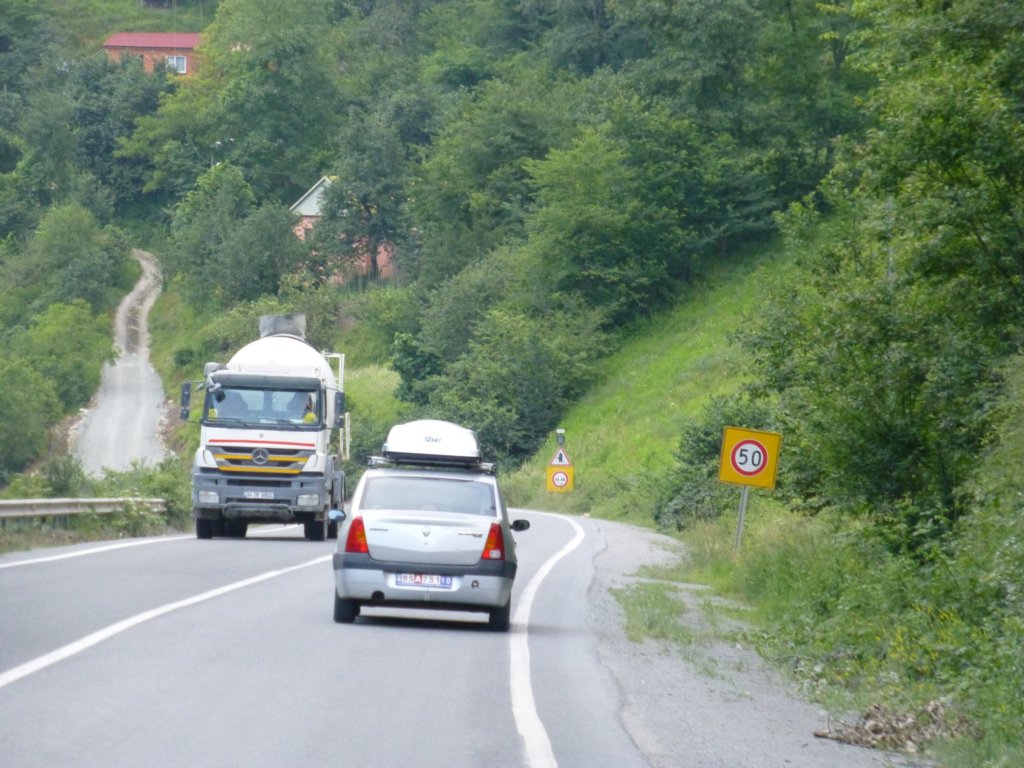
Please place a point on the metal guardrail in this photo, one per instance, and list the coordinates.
(18, 508)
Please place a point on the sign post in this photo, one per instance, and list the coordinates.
(749, 458)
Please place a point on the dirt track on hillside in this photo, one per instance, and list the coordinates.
(123, 424)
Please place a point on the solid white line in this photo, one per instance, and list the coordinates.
(93, 551)
(261, 531)
(42, 662)
(524, 708)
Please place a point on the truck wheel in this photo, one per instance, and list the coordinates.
(332, 530)
(235, 529)
(345, 611)
(316, 530)
(204, 528)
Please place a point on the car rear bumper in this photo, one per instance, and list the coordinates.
(484, 585)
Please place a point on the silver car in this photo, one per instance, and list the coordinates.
(427, 528)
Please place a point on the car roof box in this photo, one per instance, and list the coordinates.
(432, 442)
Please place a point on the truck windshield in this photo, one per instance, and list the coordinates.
(228, 406)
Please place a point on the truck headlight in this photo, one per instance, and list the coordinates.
(209, 497)
(308, 500)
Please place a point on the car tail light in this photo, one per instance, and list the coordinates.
(494, 549)
(356, 541)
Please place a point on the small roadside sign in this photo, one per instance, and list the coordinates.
(560, 472)
(749, 457)
(560, 459)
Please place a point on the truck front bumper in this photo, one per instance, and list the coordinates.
(303, 497)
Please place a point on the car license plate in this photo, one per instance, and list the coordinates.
(423, 580)
(259, 494)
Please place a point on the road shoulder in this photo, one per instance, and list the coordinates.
(715, 703)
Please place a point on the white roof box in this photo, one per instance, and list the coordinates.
(429, 441)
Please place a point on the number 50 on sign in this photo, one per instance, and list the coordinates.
(749, 457)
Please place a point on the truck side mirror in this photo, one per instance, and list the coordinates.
(339, 409)
(186, 399)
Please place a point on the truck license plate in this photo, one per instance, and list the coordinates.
(259, 494)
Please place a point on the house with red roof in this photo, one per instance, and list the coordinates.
(173, 49)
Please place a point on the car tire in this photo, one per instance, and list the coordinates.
(345, 611)
(500, 619)
(204, 528)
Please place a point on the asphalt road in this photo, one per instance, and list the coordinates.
(122, 424)
(179, 652)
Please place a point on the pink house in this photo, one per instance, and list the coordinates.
(175, 49)
(307, 208)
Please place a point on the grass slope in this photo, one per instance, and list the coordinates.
(623, 434)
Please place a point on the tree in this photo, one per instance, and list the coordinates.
(263, 100)
(76, 258)
(471, 190)
(362, 209)
(27, 410)
(517, 377)
(262, 250)
(67, 345)
(225, 248)
(108, 98)
(587, 203)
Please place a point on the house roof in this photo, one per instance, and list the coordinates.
(309, 203)
(187, 40)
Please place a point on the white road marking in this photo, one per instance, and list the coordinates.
(524, 708)
(261, 531)
(69, 650)
(93, 551)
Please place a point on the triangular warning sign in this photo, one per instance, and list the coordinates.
(560, 459)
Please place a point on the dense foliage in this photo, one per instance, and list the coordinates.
(886, 364)
(524, 233)
(535, 177)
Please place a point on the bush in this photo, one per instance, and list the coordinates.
(692, 491)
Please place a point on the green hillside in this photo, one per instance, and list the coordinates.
(934, 641)
(623, 433)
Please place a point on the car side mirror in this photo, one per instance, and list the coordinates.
(520, 525)
(336, 516)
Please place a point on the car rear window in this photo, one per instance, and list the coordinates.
(429, 493)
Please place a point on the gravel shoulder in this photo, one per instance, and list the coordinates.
(715, 704)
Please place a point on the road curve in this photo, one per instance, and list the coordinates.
(174, 651)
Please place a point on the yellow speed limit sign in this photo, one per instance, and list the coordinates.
(749, 457)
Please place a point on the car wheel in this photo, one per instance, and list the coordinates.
(345, 611)
(204, 528)
(500, 619)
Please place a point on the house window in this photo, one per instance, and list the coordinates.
(176, 64)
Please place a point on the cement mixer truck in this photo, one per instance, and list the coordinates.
(269, 420)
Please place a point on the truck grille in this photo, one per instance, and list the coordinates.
(271, 461)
